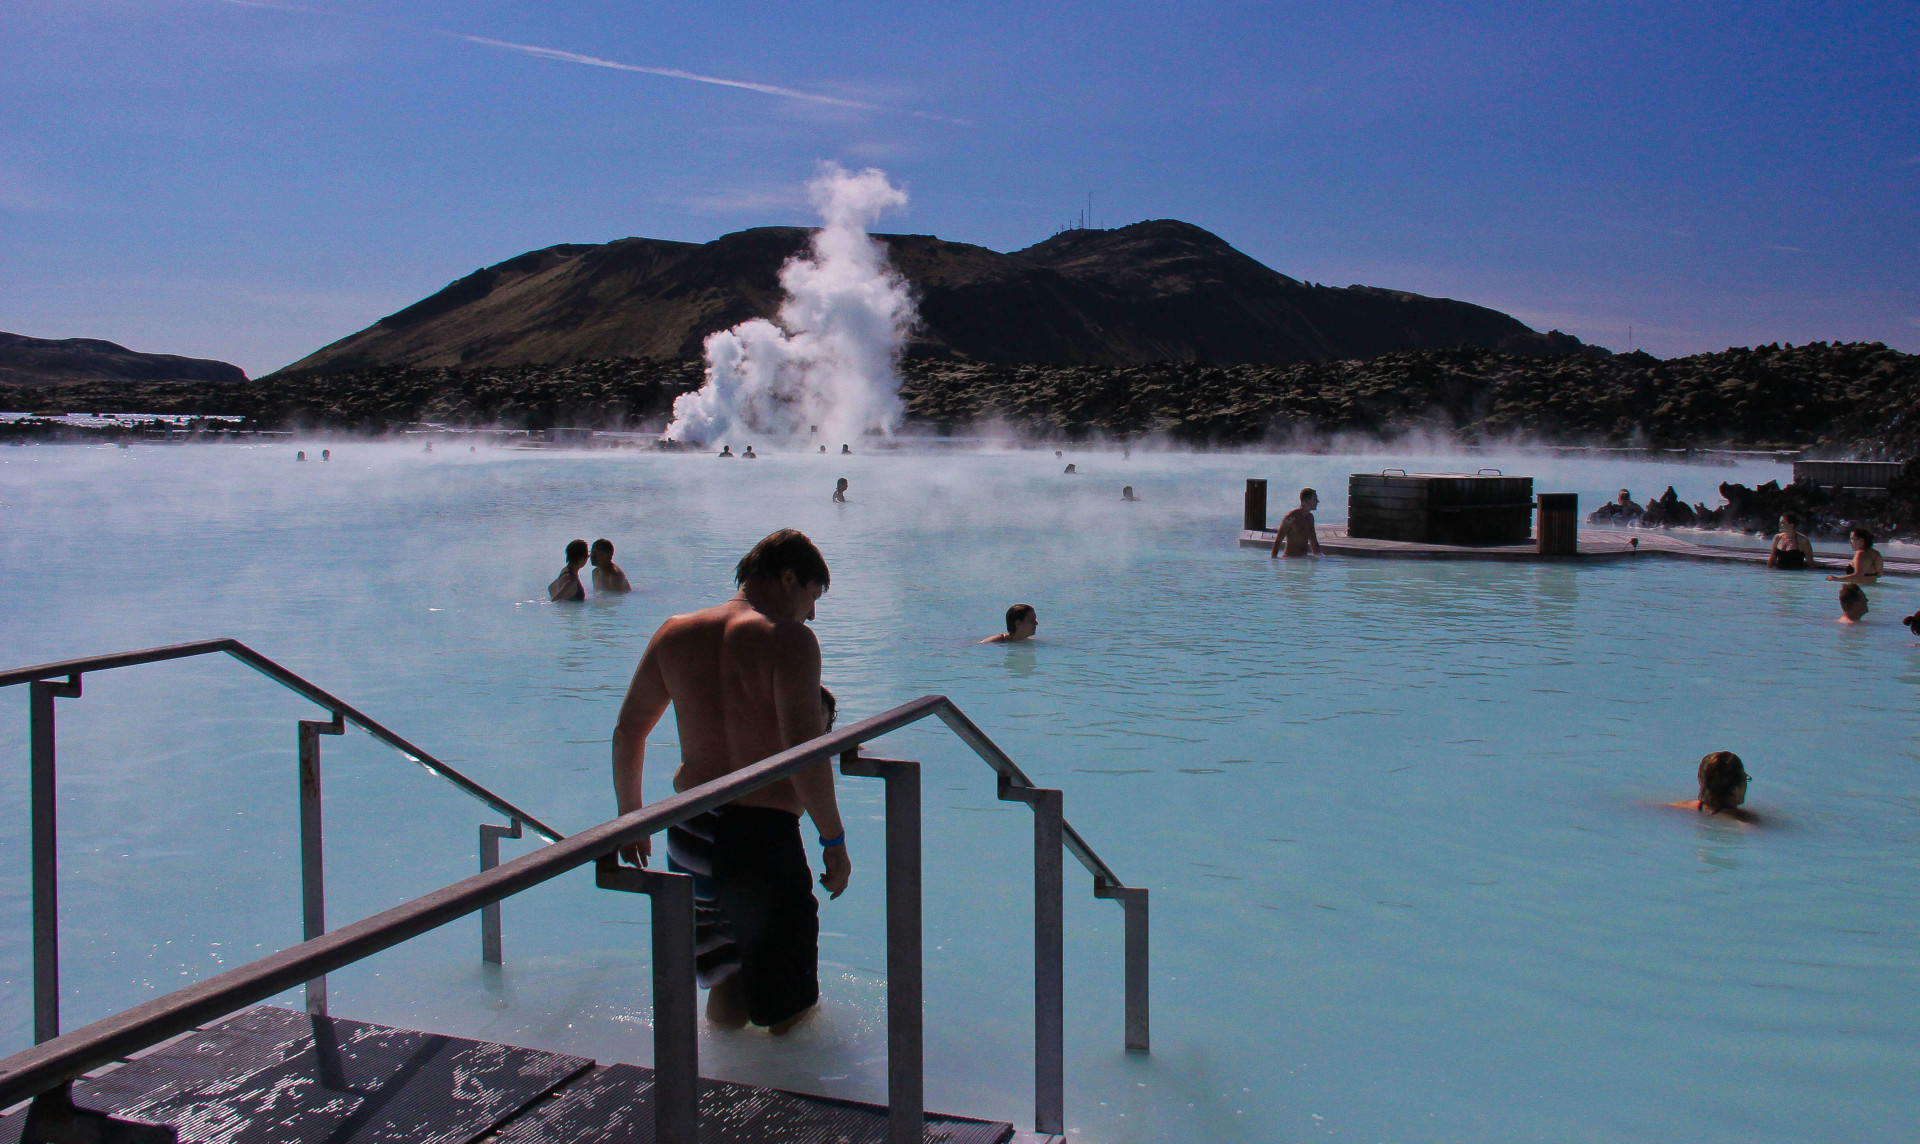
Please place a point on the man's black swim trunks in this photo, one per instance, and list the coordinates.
(754, 909)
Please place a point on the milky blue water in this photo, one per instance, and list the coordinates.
(1411, 878)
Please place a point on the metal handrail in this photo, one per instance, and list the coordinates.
(74, 668)
(56, 1063)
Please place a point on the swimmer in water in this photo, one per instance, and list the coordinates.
(1853, 603)
(1791, 550)
(726, 451)
(566, 586)
(607, 576)
(846, 451)
(1296, 531)
(1867, 563)
(326, 454)
(1723, 788)
(1913, 623)
(1022, 622)
(823, 448)
(301, 455)
(749, 455)
(840, 492)
(1072, 470)
(1126, 493)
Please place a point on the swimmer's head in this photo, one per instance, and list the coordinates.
(1625, 496)
(1309, 498)
(1022, 621)
(783, 552)
(1723, 781)
(842, 486)
(1862, 538)
(576, 553)
(1913, 623)
(1853, 601)
(1789, 520)
(829, 709)
(602, 551)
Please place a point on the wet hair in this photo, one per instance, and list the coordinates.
(1913, 623)
(603, 545)
(1720, 773)
(1017, 613)
(576, 551)
(829, 708)
(1305, 493)
(843, 481)
(1851, 592)
(1862, 533)
(782, 551)
(1792, 518)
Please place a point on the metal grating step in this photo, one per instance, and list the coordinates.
(614, 1105)
(274, 1076)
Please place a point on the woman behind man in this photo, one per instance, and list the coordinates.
(1864, 569)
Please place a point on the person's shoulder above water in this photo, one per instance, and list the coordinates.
(566, 586)
(1723, 789)
(607, 576)
(1022, 622)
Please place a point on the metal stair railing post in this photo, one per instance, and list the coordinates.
(1134, 902)
(676, 1034)
(46, 865)
(313, 869)
(1049, 927)
(490, 836)
(906, 1041)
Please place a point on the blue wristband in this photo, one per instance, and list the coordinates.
(839, 839)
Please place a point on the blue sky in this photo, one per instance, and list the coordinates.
(249, 181)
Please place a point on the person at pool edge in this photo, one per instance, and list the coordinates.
(1296, 530)
(743, 678)
(1022, 622)
(1723, 788)
(566, 586)
(1791, 550)
(607, 576)
(840, 492)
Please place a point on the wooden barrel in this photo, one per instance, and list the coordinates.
(1558, 533)
(1255, 517)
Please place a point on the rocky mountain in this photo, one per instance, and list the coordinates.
(1151, 292)
(34, 362)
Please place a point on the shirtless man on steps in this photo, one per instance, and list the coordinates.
(744, 681)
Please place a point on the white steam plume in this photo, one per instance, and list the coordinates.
(829, 358)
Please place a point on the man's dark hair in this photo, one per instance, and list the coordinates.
(1305, 493)
(1864, 534)
(1851, 592)
(786, 549)
(576, 551)
(603, 545)
(1017, 613)
(1720, 773)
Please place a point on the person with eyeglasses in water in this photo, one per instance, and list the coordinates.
(1723, 789)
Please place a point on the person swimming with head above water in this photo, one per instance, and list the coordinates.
(840, 492)
(749, 455)
(1867, 563)
(1723, 788)
(1853, 603)
(1126, 493)
(1022, 622)
(566, 586)
(727, 452)
(607, 576)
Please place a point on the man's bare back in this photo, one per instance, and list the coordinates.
(744, 681)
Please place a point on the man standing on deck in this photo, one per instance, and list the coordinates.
(744, 681)
(1296, 529)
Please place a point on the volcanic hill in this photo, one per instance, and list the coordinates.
(36, 362)
(1151, 292)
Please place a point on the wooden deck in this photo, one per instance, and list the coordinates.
(274, 1076)
(1596, 544)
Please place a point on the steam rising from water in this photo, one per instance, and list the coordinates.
(829, 360)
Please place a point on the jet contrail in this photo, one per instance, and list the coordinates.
(595, 61)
